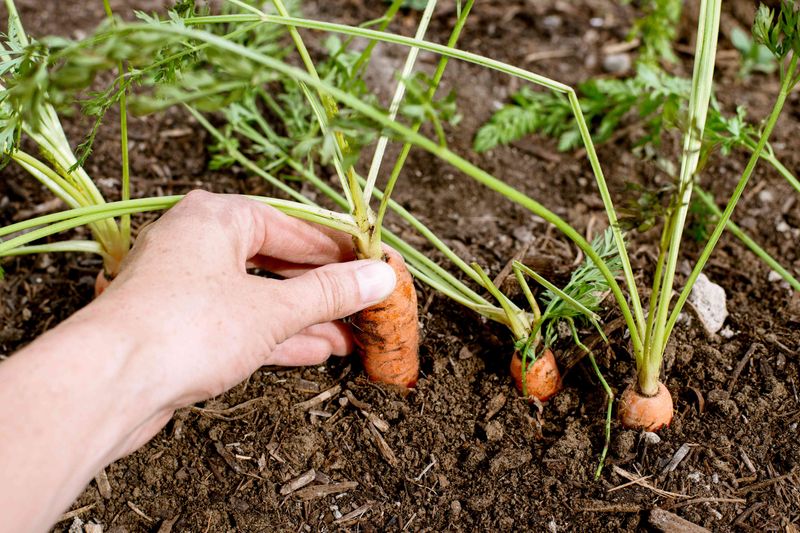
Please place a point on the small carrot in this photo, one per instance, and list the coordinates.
(650, 413)
(542, 378)
(387, 334)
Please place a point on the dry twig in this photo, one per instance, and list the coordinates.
(75, 512)
(319, 398)
(632, 477)
(319, 491)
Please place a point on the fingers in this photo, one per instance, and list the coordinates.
(287, 269)
(288, 239)
(220, 222)
(324, 294)
(313, 345)
(278, 266)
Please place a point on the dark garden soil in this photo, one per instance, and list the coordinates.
(462, 451)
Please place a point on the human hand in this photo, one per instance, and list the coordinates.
(204, 324)
(182, 322)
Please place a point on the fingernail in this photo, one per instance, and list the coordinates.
(376, 281)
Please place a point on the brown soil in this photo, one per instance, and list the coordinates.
(464, 452)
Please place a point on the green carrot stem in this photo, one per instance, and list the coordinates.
(754, 247)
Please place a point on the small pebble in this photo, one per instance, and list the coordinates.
(617, 63)
(726, 333)
(783, 227)
(552, 21)
(596, 22)
(76, 526)
(523, 234)
(694, 476)
(494, 431)
(650, 438)
(455, 506)
(773, 277)
(766, 196)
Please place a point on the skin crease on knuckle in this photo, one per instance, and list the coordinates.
(331, 290)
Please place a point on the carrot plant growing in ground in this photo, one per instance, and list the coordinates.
(387, 335)
(25, 110)
(246, 130)
(244, 118)
(649, 405)
(653, 100)
(246, 134)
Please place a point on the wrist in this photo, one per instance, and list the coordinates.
(118, 360)
(75, 400)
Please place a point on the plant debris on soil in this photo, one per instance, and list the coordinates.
(322, 449)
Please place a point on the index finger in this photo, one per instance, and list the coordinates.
(292, 240)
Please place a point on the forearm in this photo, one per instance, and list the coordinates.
(182, 322)
(70, 403)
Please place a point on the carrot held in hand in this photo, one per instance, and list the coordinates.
(387, 334)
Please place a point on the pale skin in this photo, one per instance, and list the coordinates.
(184, 321)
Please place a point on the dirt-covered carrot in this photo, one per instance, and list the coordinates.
(387, 334)
(542, 378)
(651, 413)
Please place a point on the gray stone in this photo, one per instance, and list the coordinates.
(617, 63)
(708, 300)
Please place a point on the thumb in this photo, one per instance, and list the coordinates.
(335, 291)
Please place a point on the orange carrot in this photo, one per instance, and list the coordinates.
(387, 334)
(651, 413)
(542, 378)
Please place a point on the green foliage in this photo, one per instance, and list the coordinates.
(656, 29)
(530, 111)
(726, 133)
(417, 106)
(53, 70)
(653, 95)
(755, 57)
(280, 121)
(701, 220)
(644, 206)
(58, 71)
(779, 34)
(587, 286)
